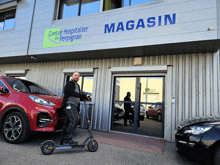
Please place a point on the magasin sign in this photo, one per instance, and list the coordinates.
(56, 36)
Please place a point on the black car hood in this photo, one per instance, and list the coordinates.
(198, 120)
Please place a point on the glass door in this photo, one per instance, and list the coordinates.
(138, 105)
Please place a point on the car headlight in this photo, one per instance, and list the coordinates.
(41, 101)
(197, 130)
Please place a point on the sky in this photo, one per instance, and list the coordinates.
(72, 11)
(90, 8)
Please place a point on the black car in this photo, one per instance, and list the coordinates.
(200, 136)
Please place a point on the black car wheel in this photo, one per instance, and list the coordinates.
(217, 156)
(147, 116)
(14, 128)
(159, 117)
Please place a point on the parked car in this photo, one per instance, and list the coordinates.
(119, 112)
(142, 111)
(199, 136)
(26, 107)
(155, 111)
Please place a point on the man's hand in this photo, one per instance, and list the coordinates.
(88, 97)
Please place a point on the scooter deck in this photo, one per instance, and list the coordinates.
(60, 147)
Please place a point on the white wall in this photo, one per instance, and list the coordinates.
(193, 18)
(192, 79)
(14, 42)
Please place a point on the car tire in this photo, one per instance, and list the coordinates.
(180, 152)
(147, 116)
(216, 158)
(14, 128)
(159, 117)
(141, 118)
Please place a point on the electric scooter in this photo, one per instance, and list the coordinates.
(48, 146)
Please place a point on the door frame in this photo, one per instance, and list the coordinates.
(139, 74)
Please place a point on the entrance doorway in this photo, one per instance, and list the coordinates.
(144, 111)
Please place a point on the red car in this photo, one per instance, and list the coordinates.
(155, 111)
(26, 107)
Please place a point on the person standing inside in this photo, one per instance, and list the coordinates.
(127, 107)
(71, 105)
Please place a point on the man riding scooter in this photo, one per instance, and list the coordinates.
(71, 105)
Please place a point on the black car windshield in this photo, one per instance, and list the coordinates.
(27, 86)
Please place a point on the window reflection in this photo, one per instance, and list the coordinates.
(90, 8)
(113, 4)
(85, 83)
(74, 8)
(7, 20)
(9, 24)
(1, 26)
(135, 2)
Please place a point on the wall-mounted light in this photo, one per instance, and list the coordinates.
(33, 57)
(209, 29)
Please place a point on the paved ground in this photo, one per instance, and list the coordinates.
(29, 153)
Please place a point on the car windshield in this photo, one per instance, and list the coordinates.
(27, 87)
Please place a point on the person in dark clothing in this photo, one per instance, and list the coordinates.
(127, 107)
(71, 105)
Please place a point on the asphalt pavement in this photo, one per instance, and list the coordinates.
(29, 153)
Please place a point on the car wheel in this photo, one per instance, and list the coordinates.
(180, 152)
(159, 117)
(217, 156)
(14, 128)
(147, 116)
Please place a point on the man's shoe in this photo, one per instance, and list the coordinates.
(70, 142)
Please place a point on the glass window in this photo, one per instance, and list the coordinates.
(27, 87)
(74, 8)
(2, 84)
(113, 4)
(85, 82)
(7, 20)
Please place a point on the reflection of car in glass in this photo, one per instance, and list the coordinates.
(118, 112)
(200, 136)
(142, 111)
(155, 111)
(26, 107)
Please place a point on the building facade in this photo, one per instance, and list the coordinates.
(119, 47)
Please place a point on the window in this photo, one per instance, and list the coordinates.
(7, 20)
(21, 74)
(74, 8)
(2, 84)
(85, 82)
(27, 87)
(113, 4)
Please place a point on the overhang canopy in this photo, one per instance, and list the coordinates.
(208, 46)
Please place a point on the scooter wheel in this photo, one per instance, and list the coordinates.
(92, 145)
(48, 147)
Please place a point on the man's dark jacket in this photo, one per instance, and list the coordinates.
(69, 90)
(127, 106)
